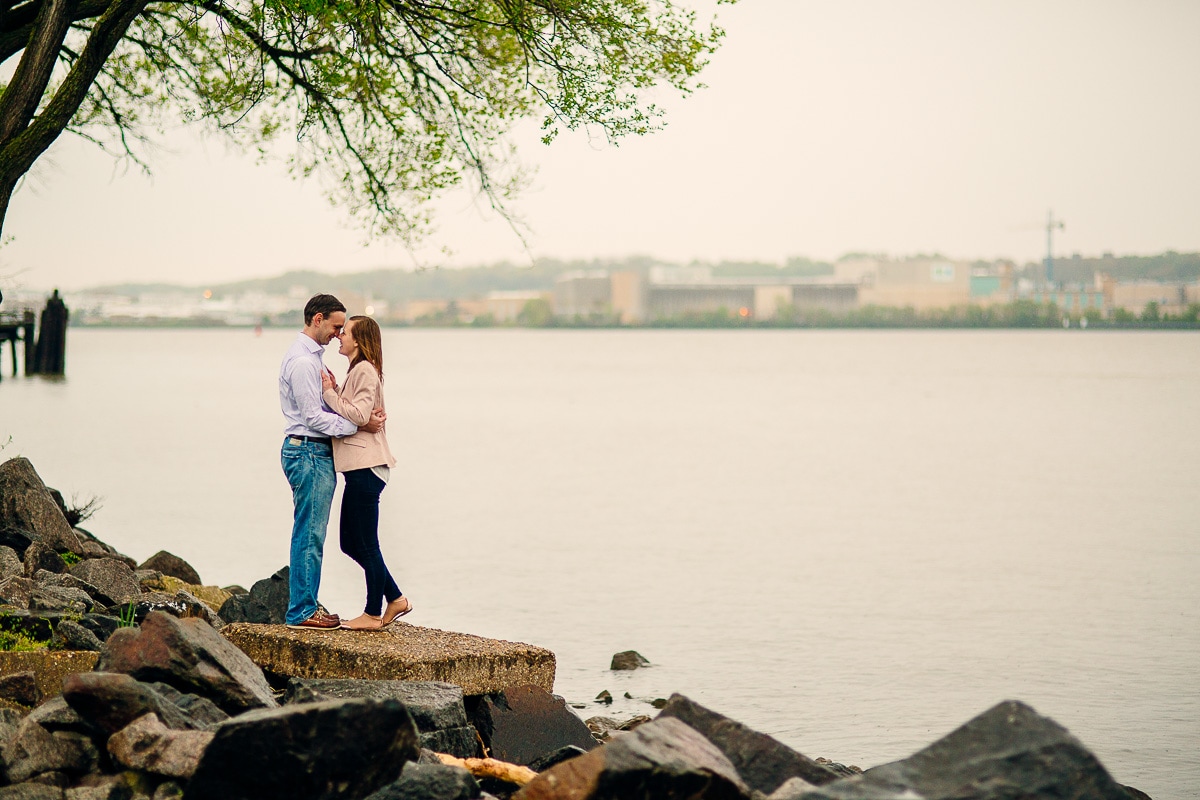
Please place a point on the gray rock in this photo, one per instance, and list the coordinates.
(70, 635)
(191, 656)
(26, 503)
(32, 750)
(763, 762)
(557, 757)
(10, 563)
(56, 715)
(20, 688)
(433, 705)
(459, 742)
(310, 751)
(430, 782)
(111, 576)
(147, 745)
(31, 791)
(1009, 751)
(60, 598)
(16, 591)
(45, 578)
(203, 712)
(101, 625)
(628, 659)
(525, 723)
(266, 604)
(662, 759)
(112, 700)
(39, 556)
(173, 565)
(199, 608)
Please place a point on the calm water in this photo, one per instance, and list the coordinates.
(854, 541)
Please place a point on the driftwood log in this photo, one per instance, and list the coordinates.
(491, 768)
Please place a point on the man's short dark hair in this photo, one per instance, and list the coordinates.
(323, 304)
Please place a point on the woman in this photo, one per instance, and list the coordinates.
(365, 460)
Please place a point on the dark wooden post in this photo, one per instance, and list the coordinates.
(30, 345)
(51, 353)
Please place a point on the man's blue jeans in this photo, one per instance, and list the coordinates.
(309, 469)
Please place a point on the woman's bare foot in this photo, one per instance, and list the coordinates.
(396, 609)
(363, 622)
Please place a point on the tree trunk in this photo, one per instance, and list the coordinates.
(24, 136)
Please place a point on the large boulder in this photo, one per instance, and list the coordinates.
(173, 565)
(661, 759)
(525, 723)
(762, 762)
(191, 656)
(343, 749)
(147, 745)
(1009, 751)
(27, 504)
(111, 576)
(436, 707)
(265, 604)
(112, 700)
(430, 782)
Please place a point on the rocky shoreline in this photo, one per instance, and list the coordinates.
(134, 681)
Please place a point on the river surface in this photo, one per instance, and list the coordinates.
(854, 541)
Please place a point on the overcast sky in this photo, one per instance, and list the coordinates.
(904, 127)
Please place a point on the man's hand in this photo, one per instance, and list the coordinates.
(375, 423)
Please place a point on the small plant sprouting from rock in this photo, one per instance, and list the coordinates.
(127, 617)
(12, 641)
(77, 512)
(71, 559)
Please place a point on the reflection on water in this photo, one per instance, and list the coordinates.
(854, 541)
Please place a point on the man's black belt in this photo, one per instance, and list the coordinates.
(311, 439)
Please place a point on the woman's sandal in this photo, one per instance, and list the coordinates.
(349, 624)
(408, 606)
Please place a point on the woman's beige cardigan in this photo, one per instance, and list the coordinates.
(359, 395)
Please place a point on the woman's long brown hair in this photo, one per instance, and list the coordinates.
(370, 342)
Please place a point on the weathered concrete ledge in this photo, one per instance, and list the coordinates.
(49, 667)
(402, 652)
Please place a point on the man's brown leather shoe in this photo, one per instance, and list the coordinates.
(319, 622)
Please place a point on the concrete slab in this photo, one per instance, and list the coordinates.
(49, 667)
(402, 652)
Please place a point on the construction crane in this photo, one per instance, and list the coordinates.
(1051, 225)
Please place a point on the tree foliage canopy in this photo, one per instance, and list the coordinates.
(392, 101)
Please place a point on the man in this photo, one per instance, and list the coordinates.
(308, 456)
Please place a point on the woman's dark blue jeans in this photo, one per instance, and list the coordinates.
(360, 536)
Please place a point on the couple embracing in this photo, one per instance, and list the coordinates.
(331, 429)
